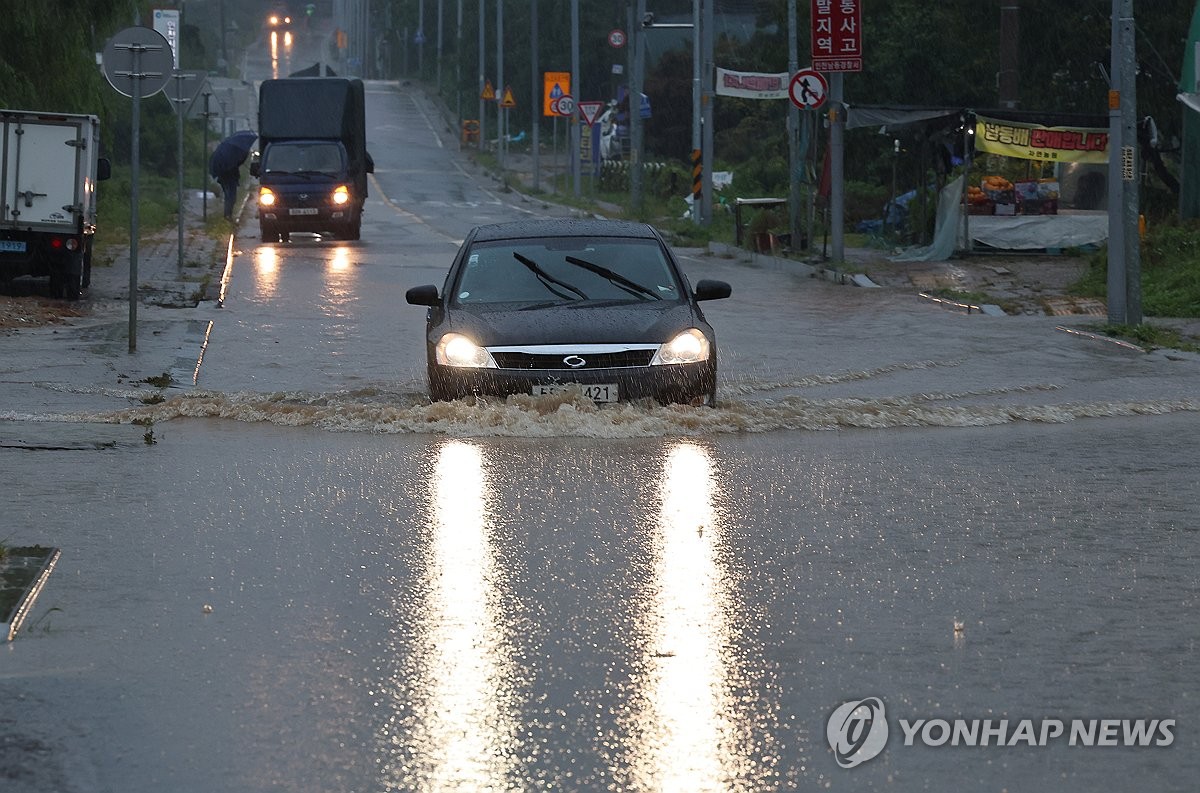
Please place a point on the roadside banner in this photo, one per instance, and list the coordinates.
(752, 85)
(1035, 142)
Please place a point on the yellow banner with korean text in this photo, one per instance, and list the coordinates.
(1035, 142)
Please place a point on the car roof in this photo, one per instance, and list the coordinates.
(564, 227)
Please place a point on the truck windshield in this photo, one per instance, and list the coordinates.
(319, 157)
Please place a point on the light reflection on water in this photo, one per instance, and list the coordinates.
(465, 720)
(266, 265)
(692, 747)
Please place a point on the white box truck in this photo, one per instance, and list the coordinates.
(49, 166)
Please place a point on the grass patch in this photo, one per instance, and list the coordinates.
(977, 299)
(1170, 265)
(159, 381)
(1152, 337)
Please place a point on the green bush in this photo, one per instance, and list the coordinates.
(864, 202)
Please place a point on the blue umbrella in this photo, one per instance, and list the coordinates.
(231, 152)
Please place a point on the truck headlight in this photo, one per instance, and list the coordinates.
(341, 194)
(266, 197)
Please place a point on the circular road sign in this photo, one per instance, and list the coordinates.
(566, 105)
(616, 38)
(808, 89)
(138, 60)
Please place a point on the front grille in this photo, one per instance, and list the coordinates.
(595, 360)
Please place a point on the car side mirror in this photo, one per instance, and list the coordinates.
(103, 169)
(423, 295)
(254, 169)
(709, 289)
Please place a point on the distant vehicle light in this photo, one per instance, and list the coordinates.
(274, 20)
(341, 194)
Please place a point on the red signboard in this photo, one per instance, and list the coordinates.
(837, 35)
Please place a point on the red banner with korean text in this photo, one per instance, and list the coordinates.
(837, 35)
(1035, 142)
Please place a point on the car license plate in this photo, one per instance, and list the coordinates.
(303, 211)
(12, 246)
(597, 392)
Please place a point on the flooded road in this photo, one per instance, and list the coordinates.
(413, 612)
(299, 574)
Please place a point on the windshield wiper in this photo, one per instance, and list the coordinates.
(632, 287)
(548, 279)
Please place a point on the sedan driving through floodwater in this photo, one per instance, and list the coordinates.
(541, 307)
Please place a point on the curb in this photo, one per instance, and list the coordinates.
(831, 274)
(33, 575)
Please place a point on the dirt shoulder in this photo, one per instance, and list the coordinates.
(34, 312)
(1018, 284)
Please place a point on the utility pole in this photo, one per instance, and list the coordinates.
(1124, 253)
(1009, 77)
(577, 89)
(707, 94)
(637, 41)
(500, 130)
(1132, 166)
(697, 143)
(458, 56)
(837, 185)
(793, 129)
(535, 94)
(482, 80)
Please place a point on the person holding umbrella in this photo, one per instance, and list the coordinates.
(226, 162)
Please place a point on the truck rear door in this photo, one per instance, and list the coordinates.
(41, 172)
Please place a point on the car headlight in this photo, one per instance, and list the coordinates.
(691, 346)
(341, 194)
(455, 349)
(266, 197)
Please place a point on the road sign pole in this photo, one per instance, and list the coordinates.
(178, 78)
(136, 62)
(135, 157)
(837, 193)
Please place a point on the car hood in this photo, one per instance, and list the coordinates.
(644, 323)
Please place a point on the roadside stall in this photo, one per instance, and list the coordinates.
(1036, 187)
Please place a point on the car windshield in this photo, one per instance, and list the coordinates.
(300, 157)
(566, 270)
